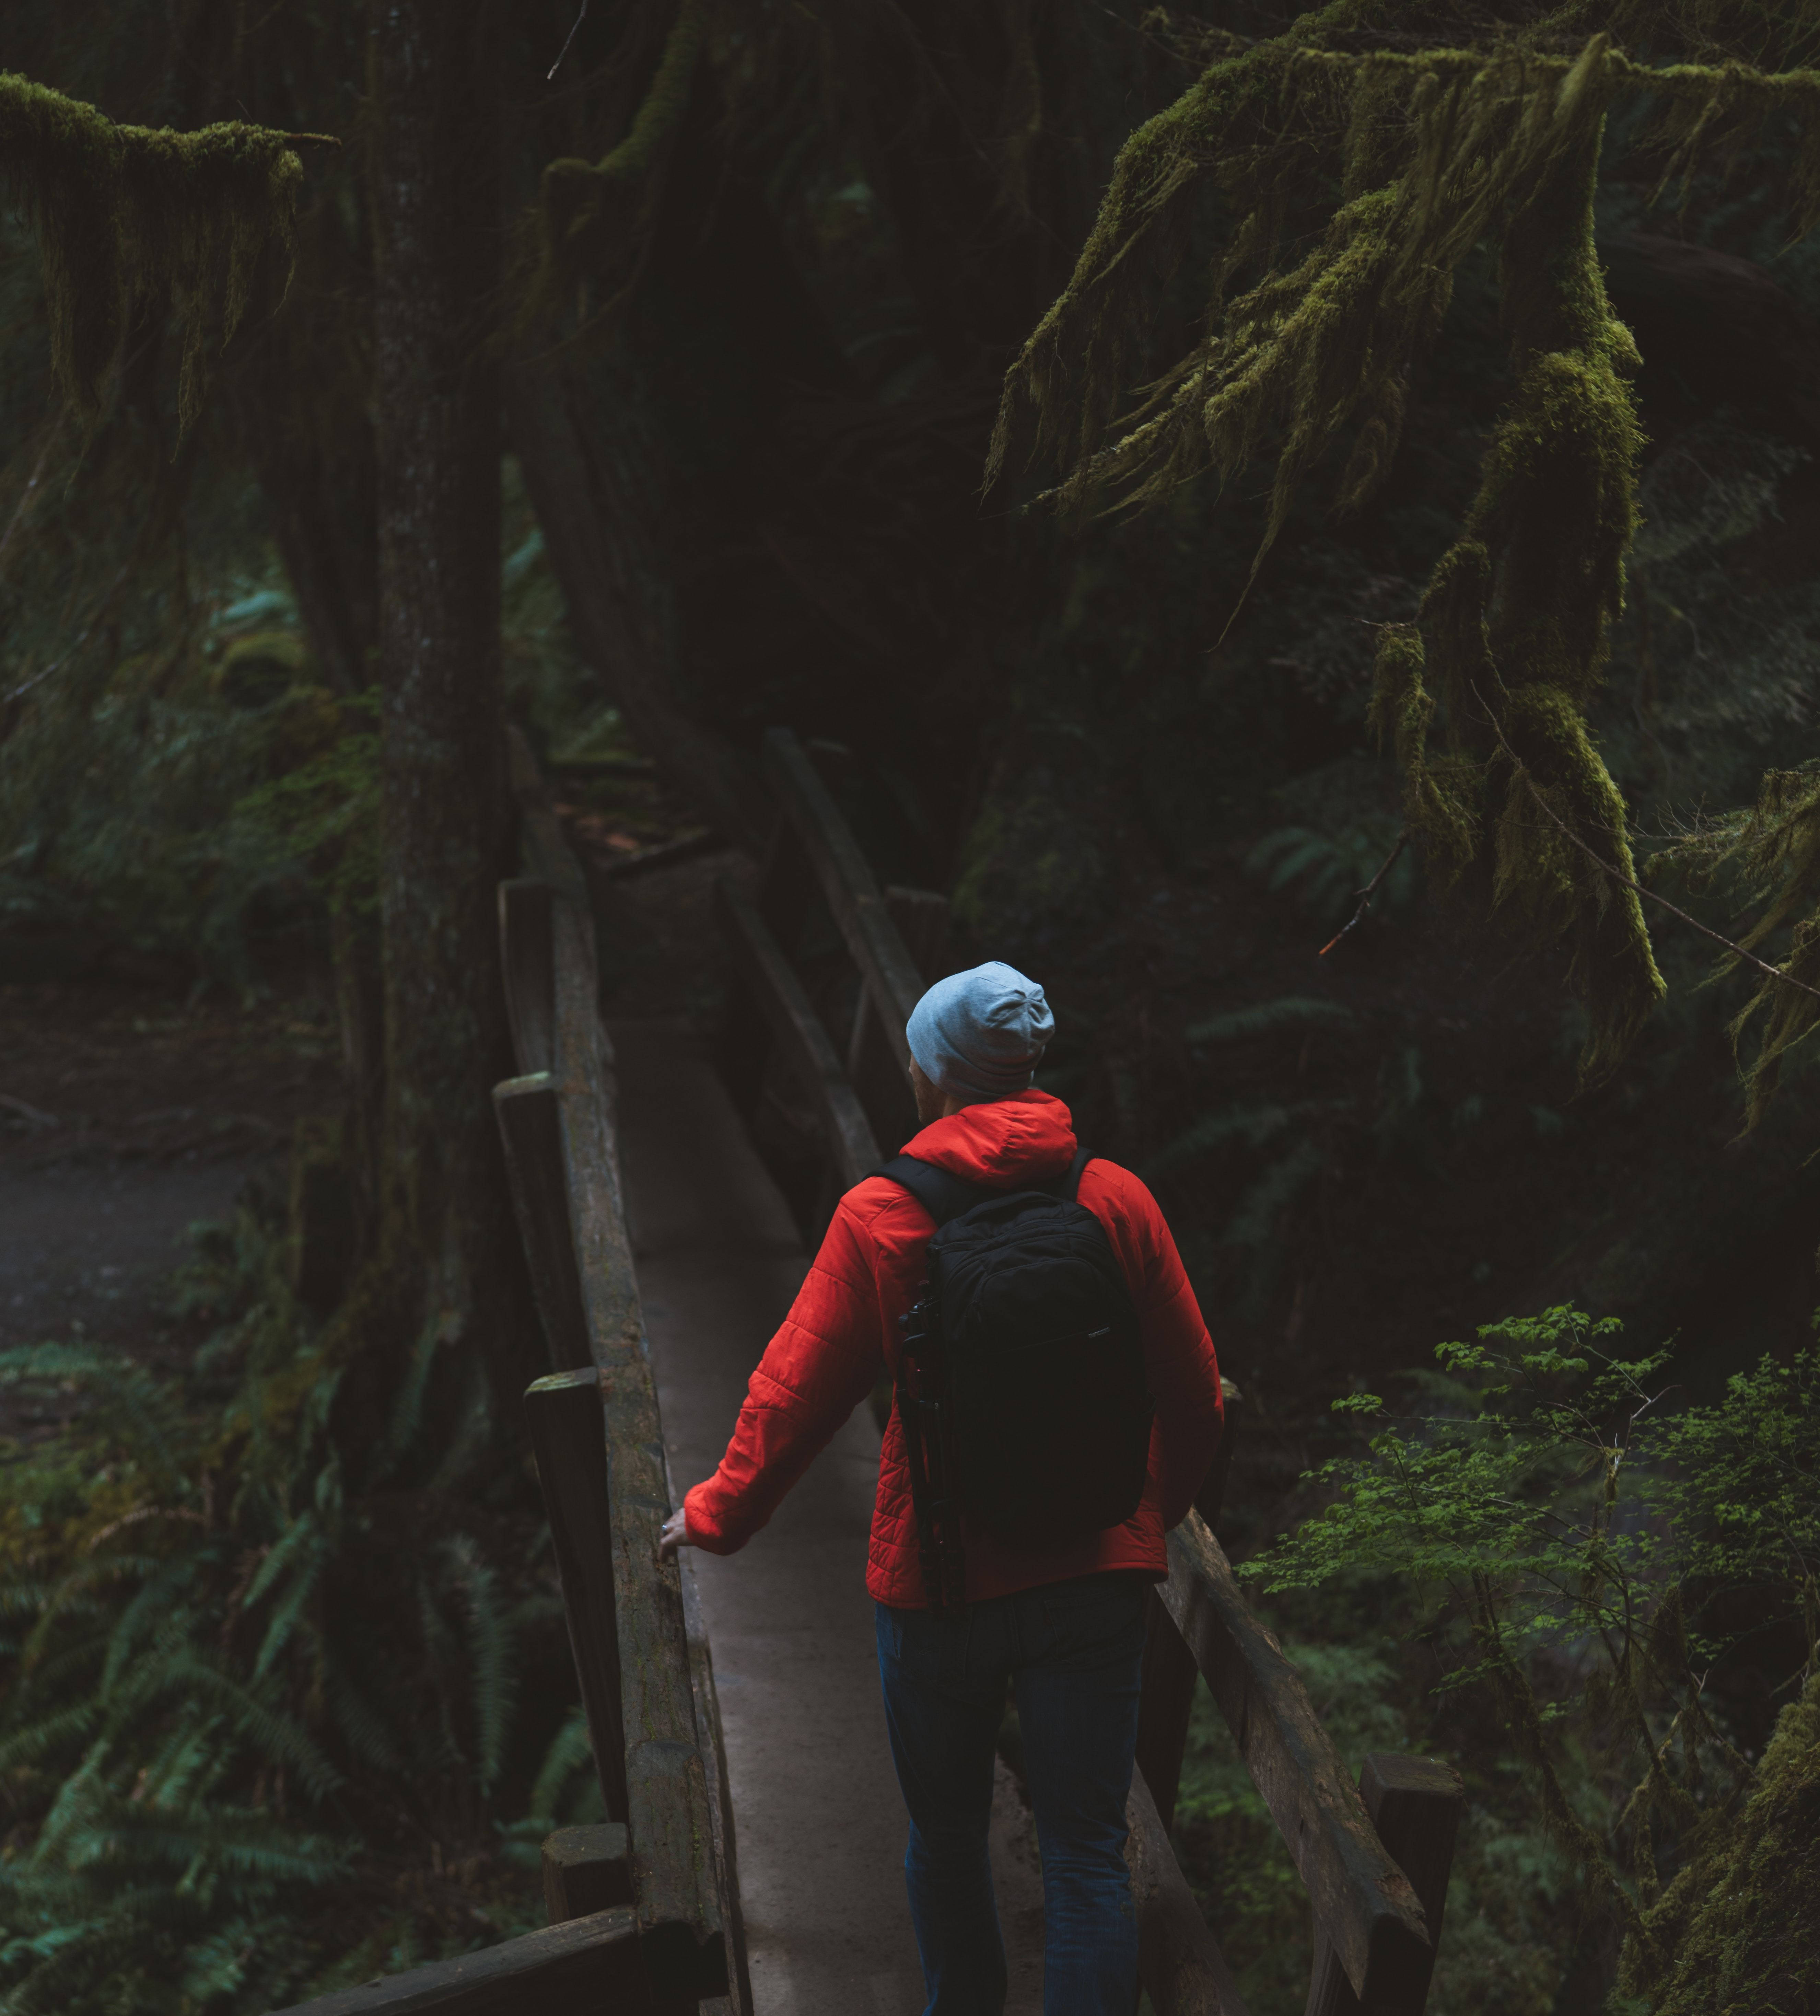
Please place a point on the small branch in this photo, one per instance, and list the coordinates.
(1624, 881)
(1369, 890)
(558, 64)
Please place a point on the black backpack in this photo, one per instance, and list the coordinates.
(1021, 1388)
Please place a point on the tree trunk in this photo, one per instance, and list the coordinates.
(448, 1254)
(590, 531)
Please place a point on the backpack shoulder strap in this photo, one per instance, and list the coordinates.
(944, 1197)
(1070, 1186)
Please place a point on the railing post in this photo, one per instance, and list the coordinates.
(530, 1129)
(1414, 1804)
(568, 1437)
(586, 1869)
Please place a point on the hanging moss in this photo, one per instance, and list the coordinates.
(1772, 850)
(1441, 795)
(1434, 152)
(128, 215)
(578, 195)
(1737, 1933)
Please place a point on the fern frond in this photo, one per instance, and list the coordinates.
(571, 1748)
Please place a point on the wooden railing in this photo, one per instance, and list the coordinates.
(645, 1908)
(1374, 1854)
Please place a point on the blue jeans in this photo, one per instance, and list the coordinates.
(1075, 1651)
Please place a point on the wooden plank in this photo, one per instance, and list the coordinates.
(885, 964)
(568, 1435)
(1415, 1804)
(586, 1869)
(780, 996)
(527, 958)
(582, 1968)
(1183, 1971)
(530, 1129)
(1363, 1902)
(667, 1801)
(738, 2001)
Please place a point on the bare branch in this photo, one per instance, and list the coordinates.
(568, 43)
(1366, 894)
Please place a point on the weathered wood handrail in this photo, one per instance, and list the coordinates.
(785, 1002)
(568, 1439)
(1364, 1905)
(529, 1111)
(673, 1824)
(1415, 1805)
(588, 1966)
(886, 967)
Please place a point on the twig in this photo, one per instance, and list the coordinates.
(28, 496)
(558, 64)
(1366, 894)
(1624, 881)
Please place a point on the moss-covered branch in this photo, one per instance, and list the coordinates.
(1415, 158)
(128, 214)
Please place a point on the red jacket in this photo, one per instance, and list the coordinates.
(842, 1335)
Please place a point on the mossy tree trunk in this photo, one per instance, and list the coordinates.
(448, 1254)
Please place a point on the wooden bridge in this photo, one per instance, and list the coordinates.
(662, 1251)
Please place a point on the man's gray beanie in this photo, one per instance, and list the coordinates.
(981, 1034)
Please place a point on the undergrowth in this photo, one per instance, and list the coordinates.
(1554, 1574)
(276, 1706)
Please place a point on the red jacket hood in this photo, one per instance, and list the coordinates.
(1030, 1139)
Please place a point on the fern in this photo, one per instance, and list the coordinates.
(195, 1681)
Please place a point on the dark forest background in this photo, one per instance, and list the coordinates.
(723, 417)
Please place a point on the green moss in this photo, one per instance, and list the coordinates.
(580, 199)
(1434, 151)
(128, 215)
(1737, 1933)
(1440, 796)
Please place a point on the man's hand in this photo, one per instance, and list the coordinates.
(675, 1534)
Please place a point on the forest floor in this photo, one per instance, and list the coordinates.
(127, 1115)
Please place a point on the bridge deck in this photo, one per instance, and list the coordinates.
(820, 1826)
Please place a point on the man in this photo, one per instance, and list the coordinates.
(1063, 1623)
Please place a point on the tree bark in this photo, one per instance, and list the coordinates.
(449, 1255)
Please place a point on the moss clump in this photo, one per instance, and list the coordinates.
(580, 199)
(1739, 1929)
(129, 216)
